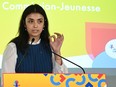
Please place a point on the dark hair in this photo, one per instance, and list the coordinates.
(22, 40)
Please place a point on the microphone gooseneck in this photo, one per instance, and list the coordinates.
(69, 61)
(33, 39)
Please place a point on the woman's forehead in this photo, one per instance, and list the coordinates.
(35, 16)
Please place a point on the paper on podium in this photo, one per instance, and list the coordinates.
(54, 80)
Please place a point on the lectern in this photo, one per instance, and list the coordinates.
(54, 80)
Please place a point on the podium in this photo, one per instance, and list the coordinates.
(54, 80)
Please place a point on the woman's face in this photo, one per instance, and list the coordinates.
(34, 24)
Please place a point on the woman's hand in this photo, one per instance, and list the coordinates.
(56, 42)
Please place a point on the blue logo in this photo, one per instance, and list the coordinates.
(16, 84)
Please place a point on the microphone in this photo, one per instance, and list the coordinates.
(69, 61)
(33, 39)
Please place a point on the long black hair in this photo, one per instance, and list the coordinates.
(22, 39)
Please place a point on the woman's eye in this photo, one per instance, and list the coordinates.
(30, 21)
(40, 21)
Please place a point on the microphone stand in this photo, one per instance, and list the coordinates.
(69, 61)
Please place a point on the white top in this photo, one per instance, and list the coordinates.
(10, 59)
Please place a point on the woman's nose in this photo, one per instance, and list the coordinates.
(35, 24)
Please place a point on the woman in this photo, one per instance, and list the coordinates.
(31, 50)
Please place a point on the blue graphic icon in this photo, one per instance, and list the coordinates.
(88, 85)
(53, 82)
(92, 79)
(16, 84)
(82, 82)
(69, 80)
(100, 82)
